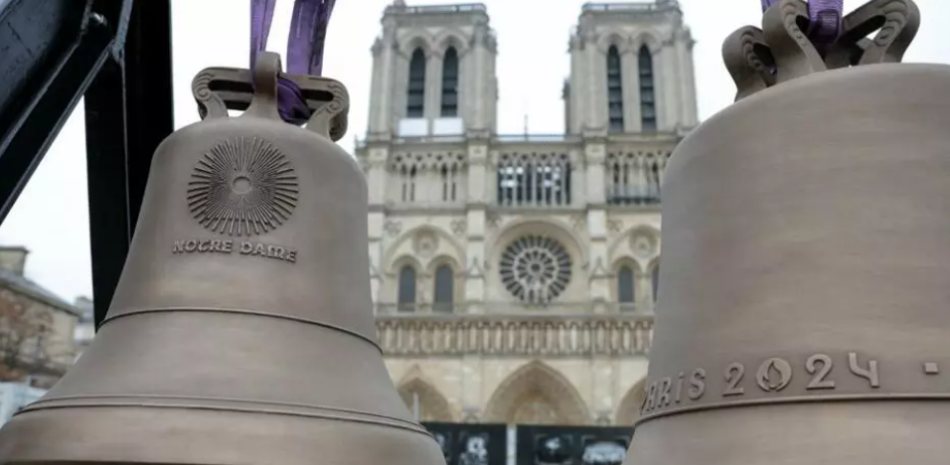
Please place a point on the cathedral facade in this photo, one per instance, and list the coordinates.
(514, 276)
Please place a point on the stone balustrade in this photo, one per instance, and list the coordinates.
(531, 335)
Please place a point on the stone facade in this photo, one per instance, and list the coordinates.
(85, 330)
(57, 351)
(513, 276)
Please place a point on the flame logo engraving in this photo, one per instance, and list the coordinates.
(774, 375)
(243, 186)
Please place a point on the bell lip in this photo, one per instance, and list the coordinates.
(287, 373)
(875, 432)
(241, 406)
(175, 436)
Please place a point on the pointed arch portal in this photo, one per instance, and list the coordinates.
(629, 409)
(425, 401)
(537, 394)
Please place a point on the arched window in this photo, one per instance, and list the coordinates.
(450, 82)
(407, 288)
(450, 177)
(647, 95)
(614, 90)
(444, 288)
(656, 282)
(625, 292)
(415, 103)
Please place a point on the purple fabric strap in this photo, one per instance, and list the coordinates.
(825, 20)
(308, 31)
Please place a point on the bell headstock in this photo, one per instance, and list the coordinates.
(781, 50)
(219, 89)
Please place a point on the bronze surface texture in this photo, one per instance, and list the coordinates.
(242, 330)
(804, 304)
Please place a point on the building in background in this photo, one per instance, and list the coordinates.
(36, 326)
(36, 335)
(85, 330)
(514, 276)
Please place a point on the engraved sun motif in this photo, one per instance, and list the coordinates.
(243, 186)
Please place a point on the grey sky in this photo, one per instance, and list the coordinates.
(51, 216)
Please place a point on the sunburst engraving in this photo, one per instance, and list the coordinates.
(243, 186)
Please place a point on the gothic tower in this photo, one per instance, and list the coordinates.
(433, 72)
(514, 276)
(434, 95)
(631, 70)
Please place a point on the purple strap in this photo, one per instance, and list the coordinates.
(305, 44)
(262, 14)
(825, 20)
(308, 32)
(825, 16)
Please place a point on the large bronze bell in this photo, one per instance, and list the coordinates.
(241, 331)
(804, 306)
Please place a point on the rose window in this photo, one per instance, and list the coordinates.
(535, 269)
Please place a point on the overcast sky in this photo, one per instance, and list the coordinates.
(51, 216)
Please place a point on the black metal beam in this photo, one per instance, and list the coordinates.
(50, 50)
(129, 113)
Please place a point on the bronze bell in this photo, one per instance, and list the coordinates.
(804, 307)
(241, 331)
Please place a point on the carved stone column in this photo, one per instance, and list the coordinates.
(630, 72)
